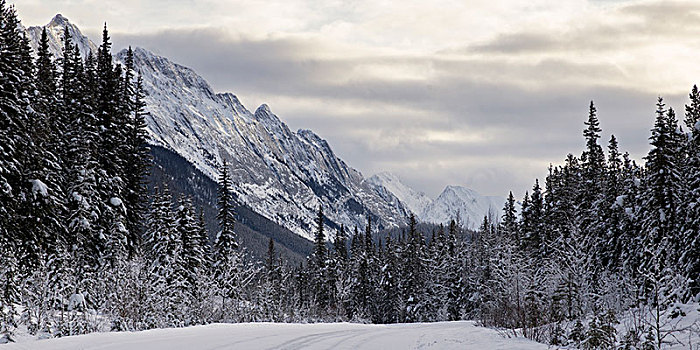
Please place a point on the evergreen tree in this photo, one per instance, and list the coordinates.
(509, 223)
(533, 223)
(690, 259)
(226, 259)
(318, 264)
(589, 199)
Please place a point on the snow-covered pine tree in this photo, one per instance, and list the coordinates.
(191, 253)
(111, 158)
(590, 192)
(660, 199)
(318, 264)
(413, 286)
(690, 258)
(391, 303)
(161, 250)
(509, 222)
(613, 209)
(532, 225)
(13, 140)
(137, 157)
(226, 261)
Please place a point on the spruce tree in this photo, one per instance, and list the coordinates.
(226, 259)
(663, 187)
(319, 264)
(690, 259)
(138, 160)
(509, 222)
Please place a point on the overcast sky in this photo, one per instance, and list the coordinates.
(481, 93)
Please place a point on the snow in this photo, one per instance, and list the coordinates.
(697, 125)
(115, 202)
(620, 201)
(441, 335)
(40, 188)
(76, 301)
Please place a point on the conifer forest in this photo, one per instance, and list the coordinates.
(87, 244)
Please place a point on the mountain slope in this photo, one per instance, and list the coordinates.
(253, 230)
(281, 174)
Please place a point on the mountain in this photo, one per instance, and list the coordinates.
(454, 201)
(469, 205)
(55, 31)
(281, 174)
(413, 200)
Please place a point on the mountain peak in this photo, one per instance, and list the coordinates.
(59, 21)
(465, 203)
(460, 190)
(55, 30)
(264, 108)
(387, 175)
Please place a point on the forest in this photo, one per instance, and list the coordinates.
(85, 247)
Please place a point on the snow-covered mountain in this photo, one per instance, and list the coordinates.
(282, 174)
(55, 31)
(413, 200)
(454, 201)
(469, 205)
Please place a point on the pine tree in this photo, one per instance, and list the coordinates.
(340, 245)
(162, 248)
(192, 254)
(45, 76)
(589, 198)
(225, 243)
(509, 223)
(138, 159)
(690, 258)
(663, 187)
(413, 274)
(613, 209)
(318, 263)
(226, 258)
(319, 254)
(533, 223)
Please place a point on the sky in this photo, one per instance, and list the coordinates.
(480, 93)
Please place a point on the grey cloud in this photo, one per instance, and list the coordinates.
(634, 26)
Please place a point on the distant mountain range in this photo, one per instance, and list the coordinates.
(455, 202)
(283, 175)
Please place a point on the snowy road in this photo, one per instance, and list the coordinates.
(443, 335)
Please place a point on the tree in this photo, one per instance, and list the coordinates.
(138, 159)
(509, 223)
(690, 258)
(226, 259)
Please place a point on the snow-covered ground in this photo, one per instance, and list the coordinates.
(441, 335)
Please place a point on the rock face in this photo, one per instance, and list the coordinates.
(284, 175)
(453, 202)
